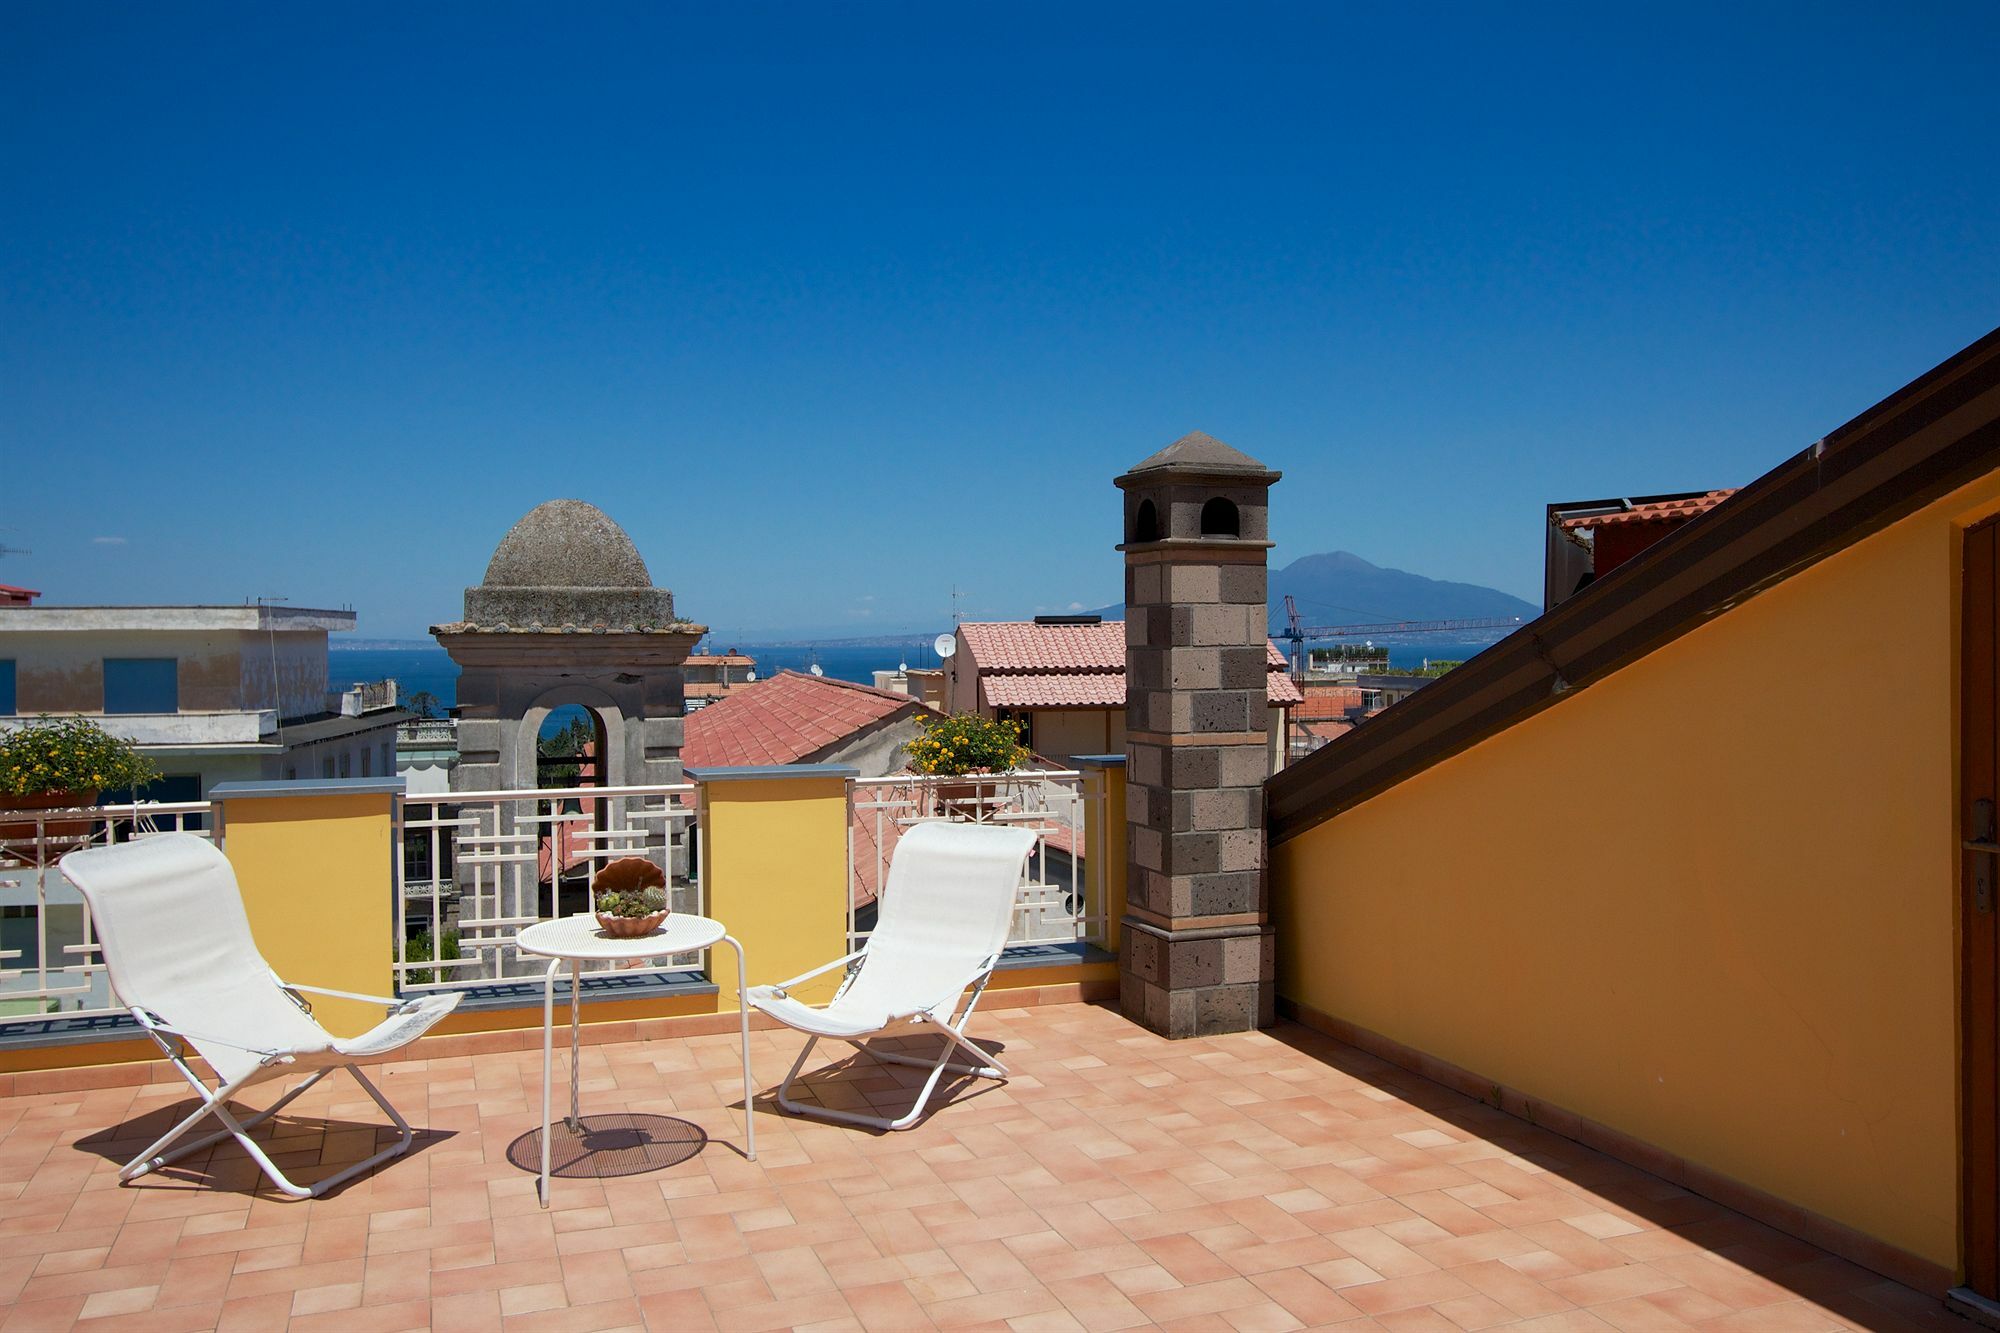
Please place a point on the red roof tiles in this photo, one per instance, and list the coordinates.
(1025, 665)
(1096, 689)
(784, 720)
(1650, 513)
(1022, 645)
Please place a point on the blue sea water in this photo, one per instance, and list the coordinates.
(425, 666)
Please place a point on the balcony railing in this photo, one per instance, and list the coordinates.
(477, 867)
(49, 962)
(1056, 904)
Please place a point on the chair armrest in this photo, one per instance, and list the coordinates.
(347, 994)
(784, 986)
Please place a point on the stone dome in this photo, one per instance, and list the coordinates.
(566, 544)
(563, 568)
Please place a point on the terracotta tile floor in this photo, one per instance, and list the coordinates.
(1264, 1181)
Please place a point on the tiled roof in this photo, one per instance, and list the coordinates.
(1324, 702)
(1022, 645)
(784, 719)
(1025, 665)
(1095, 689)
(1650, 513)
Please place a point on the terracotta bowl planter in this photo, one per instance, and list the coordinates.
(631, 927)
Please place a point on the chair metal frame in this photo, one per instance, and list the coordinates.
(919, 1023)
(272, 1064)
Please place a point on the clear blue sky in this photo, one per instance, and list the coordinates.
(834, 306)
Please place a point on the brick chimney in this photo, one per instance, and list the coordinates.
(1198, 955)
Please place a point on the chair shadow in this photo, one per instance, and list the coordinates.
(1858, 1294)
(307, 1148)
(858, 1083)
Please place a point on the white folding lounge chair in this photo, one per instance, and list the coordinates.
(940, 927)
(169, 920)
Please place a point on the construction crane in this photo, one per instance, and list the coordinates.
(1297, 634)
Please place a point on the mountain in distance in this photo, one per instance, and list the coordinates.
(1340, 588)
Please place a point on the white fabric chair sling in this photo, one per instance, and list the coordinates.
(940, 928)
(169, 920)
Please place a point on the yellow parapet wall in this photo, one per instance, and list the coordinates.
(774, 848)
(315, 869)
(1708, 902)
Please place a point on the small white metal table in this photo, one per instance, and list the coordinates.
(577, 940)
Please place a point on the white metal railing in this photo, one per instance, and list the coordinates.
(1056, 904)
(475, 868)
(49, 961)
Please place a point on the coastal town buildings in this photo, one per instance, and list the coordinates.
(1063, 679)
(209, 693)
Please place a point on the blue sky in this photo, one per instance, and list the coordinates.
(835, 307)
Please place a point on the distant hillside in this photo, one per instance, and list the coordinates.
(1340, 588)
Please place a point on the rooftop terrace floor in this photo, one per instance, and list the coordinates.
(1266, 1180)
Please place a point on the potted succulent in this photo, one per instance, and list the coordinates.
(62, 763)
(631, 897)
(964, 745)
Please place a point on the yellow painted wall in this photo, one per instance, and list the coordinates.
(317, 883)
(776, 875)
(1707, 901)
(1063, 732)
(1105, 846)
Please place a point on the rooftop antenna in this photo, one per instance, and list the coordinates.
(271, 643)
(956, 618)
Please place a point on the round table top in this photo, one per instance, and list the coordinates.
(580, 937)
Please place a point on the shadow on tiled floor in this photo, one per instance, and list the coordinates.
(1267, 1180)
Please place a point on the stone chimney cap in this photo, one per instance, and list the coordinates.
(1197, 452)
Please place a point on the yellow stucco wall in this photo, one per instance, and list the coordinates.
(1708, 901)
(776, 875)
(315, 875)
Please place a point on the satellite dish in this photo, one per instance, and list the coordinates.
(750, 675)
(902, 666)
(815, 668)
(945, 645)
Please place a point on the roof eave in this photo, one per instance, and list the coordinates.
(1922, 442)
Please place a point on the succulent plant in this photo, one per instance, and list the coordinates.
(632, 902)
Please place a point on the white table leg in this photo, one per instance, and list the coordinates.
(575, 1044)
(548, 1063)
(743, 1012)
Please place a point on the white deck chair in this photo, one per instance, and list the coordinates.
(176, 943)
(940, 927)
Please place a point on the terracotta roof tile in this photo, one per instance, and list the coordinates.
(1022, 645)
(1025, 665)
(1650, 513)
(1327, 702)
(784, 719)
(1096, 689)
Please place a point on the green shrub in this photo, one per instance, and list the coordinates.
(53, 754)
(965, 743)
(421, 949)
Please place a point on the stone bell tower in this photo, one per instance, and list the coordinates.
(1198, 955)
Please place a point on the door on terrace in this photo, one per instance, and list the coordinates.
(1979, 883)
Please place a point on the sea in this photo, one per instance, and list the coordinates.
(425, 666)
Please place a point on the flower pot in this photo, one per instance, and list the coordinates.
(631, 927)
(17, 836)
(971, 797)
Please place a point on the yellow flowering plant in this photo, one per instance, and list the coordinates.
(965, 743)
(68, 754)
